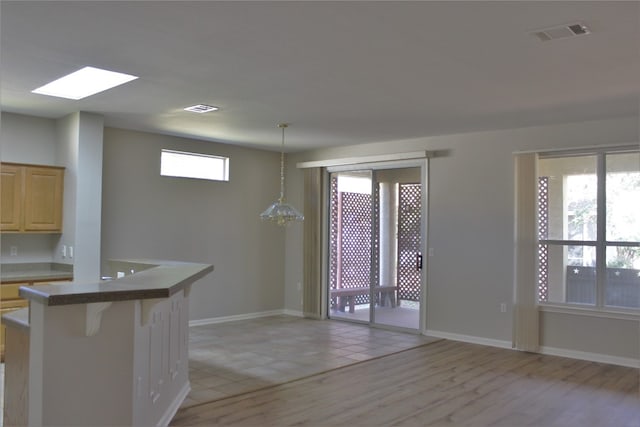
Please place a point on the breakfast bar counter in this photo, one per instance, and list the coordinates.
(103, 353)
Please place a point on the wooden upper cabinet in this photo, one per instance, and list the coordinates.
(31, 198)
(43, 199)
(11, 178)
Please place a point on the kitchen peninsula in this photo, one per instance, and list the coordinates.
(13, 276)
(104, 353)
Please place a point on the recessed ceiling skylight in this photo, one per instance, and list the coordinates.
(84, 82)
(201, 108)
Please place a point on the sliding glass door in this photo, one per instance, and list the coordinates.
(375, 245)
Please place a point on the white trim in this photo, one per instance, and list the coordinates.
(365, 159)
(583, 149)
(377, 166)
(469, 338)
(591, 357)
(551, 351)
(589, 311)
(246, 316)
(424, 237)
(294, 313)
(175, 405)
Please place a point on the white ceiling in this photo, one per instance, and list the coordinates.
(340, 72)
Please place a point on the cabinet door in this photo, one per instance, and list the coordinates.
(11, 198)
(10, 291)
(8, 307)
(43, 199)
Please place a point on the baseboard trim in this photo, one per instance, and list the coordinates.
(294, 313)
(468, 338)
(591, 357)
(246, 316)
(551, 351)
(175, 405)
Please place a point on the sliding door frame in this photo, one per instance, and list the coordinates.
(423, 164)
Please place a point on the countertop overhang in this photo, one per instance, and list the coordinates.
(161, 280)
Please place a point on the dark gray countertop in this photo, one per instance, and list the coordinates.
(161, 280)
(17, 319)
(36, 271)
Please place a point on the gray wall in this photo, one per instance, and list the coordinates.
(74, 142)
(148, 216)
(79, 138)
(471, 206)
(145, 215)
(26, 139)
(470, 223)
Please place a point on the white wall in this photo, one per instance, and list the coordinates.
(471, 205)
(145, 215)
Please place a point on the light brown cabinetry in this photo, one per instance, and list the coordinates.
(11, 179)
(31, 198)
(10, 300)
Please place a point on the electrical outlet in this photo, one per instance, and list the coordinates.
(13, 251)
(503, 307)
(70, 251)
(64, 251)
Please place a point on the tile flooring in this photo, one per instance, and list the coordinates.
(236, 357)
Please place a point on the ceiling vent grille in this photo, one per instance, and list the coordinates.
(561, 31)
(201, 108)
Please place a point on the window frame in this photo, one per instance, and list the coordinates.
(599, 308)
(224, 172)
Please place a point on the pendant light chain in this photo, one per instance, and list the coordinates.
(281, 212)
(283, 126)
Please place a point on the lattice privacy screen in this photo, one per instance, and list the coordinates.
(543, 233)
(333, 235)
(350, 241)
(409, 213)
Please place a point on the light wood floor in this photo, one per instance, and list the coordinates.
(443, 383)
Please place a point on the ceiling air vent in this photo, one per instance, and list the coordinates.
(561, 31)
(201, 108)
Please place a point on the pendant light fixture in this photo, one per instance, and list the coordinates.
(281, 212)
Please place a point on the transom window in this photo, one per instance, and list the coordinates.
(194, 165)
(589, 229)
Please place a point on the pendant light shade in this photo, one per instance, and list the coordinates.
(280, 211)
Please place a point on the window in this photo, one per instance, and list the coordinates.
(588, 218)
(194, 165)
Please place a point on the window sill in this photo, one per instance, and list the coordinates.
(590, 311)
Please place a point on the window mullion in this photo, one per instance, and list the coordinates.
(601, 232)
